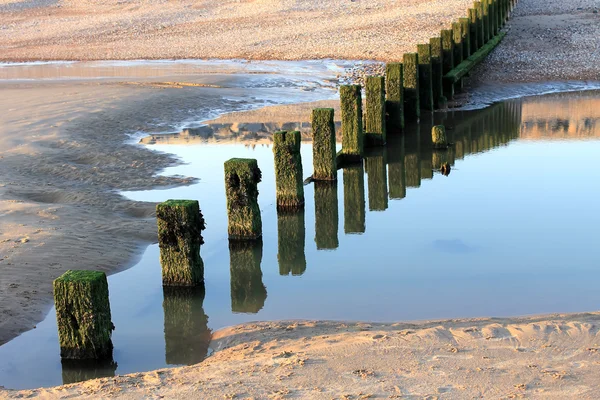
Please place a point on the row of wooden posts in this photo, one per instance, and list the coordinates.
(425, 80)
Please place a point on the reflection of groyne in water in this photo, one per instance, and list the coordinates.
(326, 215)
(290, 242)
(248, 293)
(82, 370)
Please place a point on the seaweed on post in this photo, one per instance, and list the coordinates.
(447, 61)
(352, 123)
(412, 107)
(437, 58)
(375, 116)
(83, 315)
(324, 164)
(242, 176)
(248, 293)
(375, 164)
(354, 199)
(288, 170)
(290, 242)
(180, 224)
(326, 215)
(394, 91)
(425, 77)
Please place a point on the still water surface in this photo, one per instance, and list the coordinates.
(511, 231)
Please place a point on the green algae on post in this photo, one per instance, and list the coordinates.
(438, 137)
(290, 242)
(437, 58)
(354, 199)
(447, 61)
(352, 123)
(425, 77)
(83, 315)
(180, 224)
(412, 109)
(394, 91)
(248, 293)
(288, 170)
(375, 165)
(324, 165)
(465, 31)
(187, 335)
(326, 215)
(375, 116)
(242, 176)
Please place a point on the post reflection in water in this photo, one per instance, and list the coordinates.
(82, 370)
(187, 336)
(412, 165)
(326, 215)
(375, 165)
(354, 199)
(248, 293)
(290, 242)
(396, 172)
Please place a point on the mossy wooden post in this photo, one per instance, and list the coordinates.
(425, 77)
(394, 92)
(397, 176)
(480, 24)
(83, 315)
(187, 335)
(465, 31)
(412, 107)
(352, 123)
(290, 242)
(326, 215)
(437, 58)
(242, 176)
(180, 224)
(375, 116)
(458, 51)
(473, 26)
(375, 165)
(288, 170)
(248, 293)
(485, 5)
(447, 61)
(324, 165)
(438, 137)
(354, 199)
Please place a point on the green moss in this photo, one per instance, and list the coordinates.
(425, 77)
(83, 315)
(288, 170)
(180, 224)
(326, 215)
(242, 176)
(352, 123)
(465, 31)
(248, 293)
(375, 115)
(375, 165)
(323, 126)
(187, 335)
(394, 91)
(354, 199)
(290, 243)
(411, 86)
(437, 58)
(447, 61)
(438, 137)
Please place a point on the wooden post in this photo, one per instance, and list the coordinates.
(411, 87)
(425, 77)
(473, 27)
(486, 20)
(324, 165)
(242, 176)
(458, 51)
(447, 61)
(480, 24)
(465, 31)
(352, 123)
(288, 170)
(375, 115)
(437, 59)
(394, 92)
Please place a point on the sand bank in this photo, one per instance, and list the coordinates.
(544, 357)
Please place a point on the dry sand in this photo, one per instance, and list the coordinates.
(548, 357)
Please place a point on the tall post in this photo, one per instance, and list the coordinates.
(480, 23)
(352, 123)
(465, 31)
(458, 51)
(326, 215)
(394, 92)
(473, 27)
(437, 58)
(411, 87)
(324, 165)
(425, 77)
(375, 115)
(354, 199)
(447, 61)
(242, 176)
(486, 20)
(288, 170)
(438, 137)
(83, 315)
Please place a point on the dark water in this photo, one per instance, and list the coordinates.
(511, 231)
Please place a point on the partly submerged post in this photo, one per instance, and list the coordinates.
(425, 78)
(324, 165)
(352, 124)
(242, 176)
(447, 62)
(288, 170)
(326, 215)
(438, 137)
(290, 242)
(465, 32)
(411, 87)
(437, 58)
(473, 27)
(83, 315)
(458, 50)
(394, 91)
(248, 293)
(354, 199)
(375, 115)
(180, 224)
